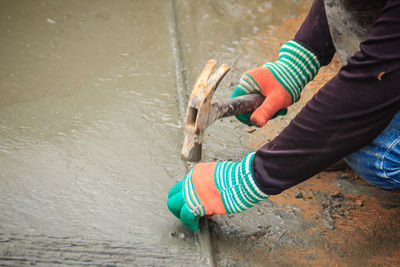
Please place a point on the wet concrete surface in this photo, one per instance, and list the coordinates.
(90, 124)
(91, 100)
(90, 135)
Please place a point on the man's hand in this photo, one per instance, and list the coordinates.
(280, 82)
(214, 188)
(262, 81)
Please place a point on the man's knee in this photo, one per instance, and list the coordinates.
(379, 170)
(379, 161)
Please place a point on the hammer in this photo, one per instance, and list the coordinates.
(201, 113)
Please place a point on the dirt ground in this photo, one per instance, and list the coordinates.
(333, 219)
(341, 221)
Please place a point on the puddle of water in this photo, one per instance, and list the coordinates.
(89, 121)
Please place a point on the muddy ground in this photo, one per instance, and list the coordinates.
(333, 219)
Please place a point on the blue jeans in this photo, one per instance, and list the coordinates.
(379, 161)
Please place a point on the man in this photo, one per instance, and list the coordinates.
(355, 115)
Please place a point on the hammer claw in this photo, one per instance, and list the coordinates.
(201, 113)
(198, 109)
(201, 83)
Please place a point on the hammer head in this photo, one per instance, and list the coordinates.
(198, 110)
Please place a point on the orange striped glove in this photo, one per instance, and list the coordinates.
(281, 82)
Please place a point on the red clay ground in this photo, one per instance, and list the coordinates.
(339, 220)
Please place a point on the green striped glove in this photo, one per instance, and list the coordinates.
(234, 183)
(295, 67)
(184, 203)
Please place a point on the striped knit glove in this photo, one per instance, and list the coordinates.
(218, 188)
(281, 82)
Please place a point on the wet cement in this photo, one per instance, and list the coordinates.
(90, 135)
(91, 128)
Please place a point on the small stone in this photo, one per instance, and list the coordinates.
(172, 234)
(310, 257)
(359, 202)
(329, 224)
(335, 194)
(251, 130)
(51, 21)
(182, 236)
(299, 195)
(179, 235)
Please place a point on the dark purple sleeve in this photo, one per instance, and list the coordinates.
(345, 115)
(314, 33)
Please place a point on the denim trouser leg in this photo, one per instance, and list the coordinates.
(379, 161)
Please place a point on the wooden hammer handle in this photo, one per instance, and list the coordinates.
(237, 105)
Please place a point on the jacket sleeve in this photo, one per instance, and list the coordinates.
(314, 33)
(346, 114)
